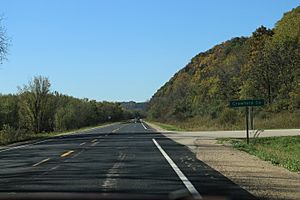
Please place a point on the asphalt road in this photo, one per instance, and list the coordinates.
(121, 158)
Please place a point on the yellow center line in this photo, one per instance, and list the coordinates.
(45, 160)
(95, 140)
(66, 154)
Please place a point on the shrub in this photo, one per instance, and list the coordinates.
(228, 116)
(9, 134)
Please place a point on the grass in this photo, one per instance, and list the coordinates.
(11, 136)
(264, 120)
(281, 120)
(194, 124)
(281, 151)
(168, 127)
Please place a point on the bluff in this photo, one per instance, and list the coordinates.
(265, 65)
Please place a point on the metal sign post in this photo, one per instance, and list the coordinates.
(247, 123)
(247, 103)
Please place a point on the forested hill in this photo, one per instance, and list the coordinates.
(134, 106)
(265, 65)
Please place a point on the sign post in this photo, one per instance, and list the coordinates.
(247, 124)
(247, 103)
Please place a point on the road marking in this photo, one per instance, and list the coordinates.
(117, 129)
(78, 153)
(95, 140)
(144, 126)
(43, 161)
(179, 173)
(112, 175)
(54, 168)
(66, 154)
(82, 143)
(95, 143)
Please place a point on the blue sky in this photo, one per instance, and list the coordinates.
(120, 50)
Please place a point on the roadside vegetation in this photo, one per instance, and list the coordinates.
(263, 120)
(167, 127)
(37, 112)
(282, 151)
(10, 136)
(265, 65)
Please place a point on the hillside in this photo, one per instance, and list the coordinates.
(265, 65)
(134, 106)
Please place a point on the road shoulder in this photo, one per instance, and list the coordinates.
(259, 177)
(53, 135)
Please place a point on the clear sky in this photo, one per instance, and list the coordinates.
(120, 50)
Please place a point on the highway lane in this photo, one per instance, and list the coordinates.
(121, 158)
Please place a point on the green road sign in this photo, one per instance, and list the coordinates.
(247, 102)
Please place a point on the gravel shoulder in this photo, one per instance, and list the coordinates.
(259, 177)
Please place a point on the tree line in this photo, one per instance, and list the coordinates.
(36, 109)
(265, 65)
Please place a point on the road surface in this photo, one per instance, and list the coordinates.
(121, 158)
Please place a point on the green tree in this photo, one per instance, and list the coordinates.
(258, 75)
(33, 104)
(9, 110)
(4, 42)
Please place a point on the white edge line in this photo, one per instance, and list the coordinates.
(184, 179)
(144, 126)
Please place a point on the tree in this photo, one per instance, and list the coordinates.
(259, 76)
(33, 104)
(4, 42)
(9, 110)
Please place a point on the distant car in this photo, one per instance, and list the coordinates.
(136, 120)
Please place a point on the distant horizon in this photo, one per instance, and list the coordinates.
(119, 51)
(85, 98)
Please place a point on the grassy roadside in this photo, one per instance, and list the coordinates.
(23, 137)
(262, 120)
(282, 151)
(168, 127)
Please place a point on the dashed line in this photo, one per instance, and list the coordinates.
(43, 161)
(95, 143)
(66, 154)
(82, 144)
(55, 167)
(183, 178)
(116, 130)
(95, 140)
(78, 153)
